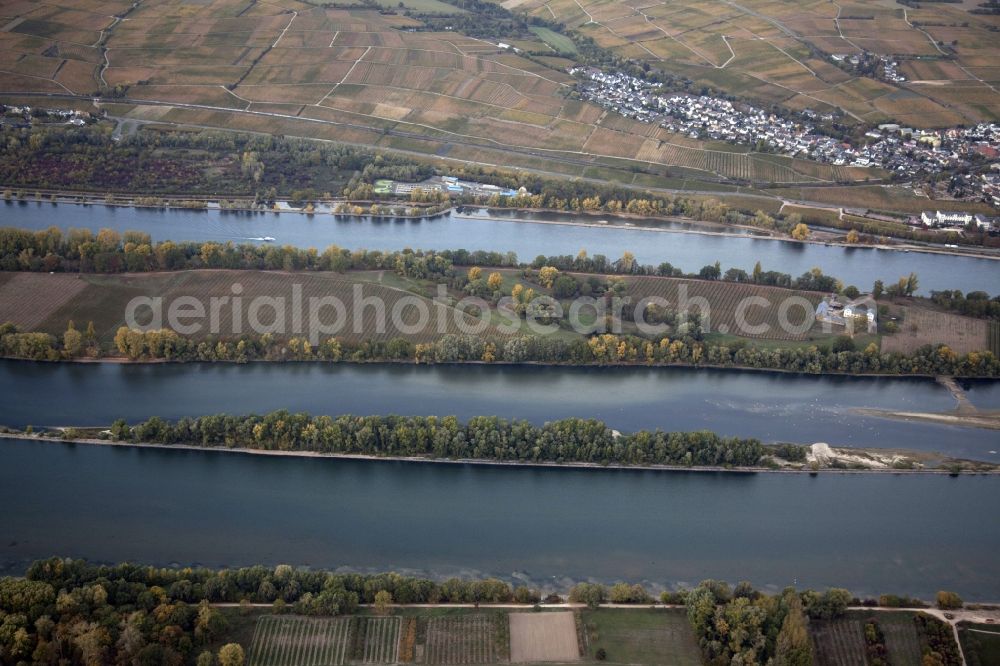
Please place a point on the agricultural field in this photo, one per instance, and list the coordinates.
(718, 303)
(467, 637)
(103, 299)
(47, 302)
(536, 637)
(555, 41)
(839, 642)
(778, 51)
(300, 641)
(359, 76)
(901, 638)
(878, 198)
(377, 639)
(29, 302)
(464, 639)
(980, 643)
(924, 326)
(650, 637)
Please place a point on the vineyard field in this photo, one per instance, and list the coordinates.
(747, 310)
(300, 641)
(378, 640)
(901, 638)
(104, 299)
(839, 642)
(463, 639)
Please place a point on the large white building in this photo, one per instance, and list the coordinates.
(940, 219)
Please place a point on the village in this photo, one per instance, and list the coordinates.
(909, 154)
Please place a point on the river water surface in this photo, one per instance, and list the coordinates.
(870, 533)
(688, 251)
(771, 406)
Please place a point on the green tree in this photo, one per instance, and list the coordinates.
(592, 594)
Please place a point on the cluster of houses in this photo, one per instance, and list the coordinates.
(21, 116)
(908, 153)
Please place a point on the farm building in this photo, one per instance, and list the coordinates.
(862, 309)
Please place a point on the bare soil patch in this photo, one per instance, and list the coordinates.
(536, 637)
(922, 326)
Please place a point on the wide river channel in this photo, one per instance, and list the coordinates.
(870, 533)
(527, 235)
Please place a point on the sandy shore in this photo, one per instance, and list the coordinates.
(479, 461)
(978, 420)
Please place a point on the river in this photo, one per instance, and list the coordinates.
(771, 406)
(688, 251)
(870, 533)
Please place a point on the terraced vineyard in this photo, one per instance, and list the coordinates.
(353, 75)
(300, 641)
(779, 52)
(462, 639)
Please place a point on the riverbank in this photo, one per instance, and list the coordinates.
(122, 360)
(990, 421)
(751, 232)
(824, 466)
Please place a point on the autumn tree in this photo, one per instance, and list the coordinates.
(475, 273)
(853, 237)
(948, 600)
(383, 602)
(72, 341)
(793, 647)
(800, 231)
(231, 654)
(494, 281)
(547, 275)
